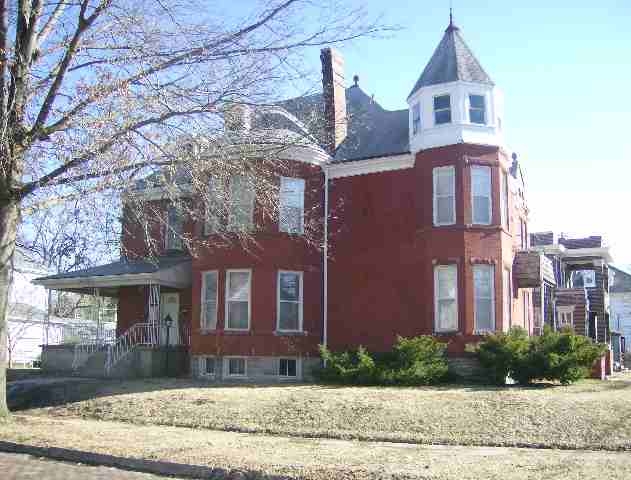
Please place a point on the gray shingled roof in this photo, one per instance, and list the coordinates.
(123, 267)
(452, 60)
(372, 130)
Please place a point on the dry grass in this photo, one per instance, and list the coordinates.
(314, 459)
(589, 415)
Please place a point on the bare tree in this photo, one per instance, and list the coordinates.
(95, 94)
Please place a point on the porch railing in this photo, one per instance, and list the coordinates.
(144, 334)
(89, 339)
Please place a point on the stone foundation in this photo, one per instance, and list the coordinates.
(258, 369)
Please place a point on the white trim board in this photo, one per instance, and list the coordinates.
(371, 165)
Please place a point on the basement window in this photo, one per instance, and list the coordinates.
(288, 367)
(208, 367)
(442, 109)
(236, 367)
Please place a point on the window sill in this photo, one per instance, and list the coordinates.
(234, 331)
(208, 331)
(447, 332)
(290, 333)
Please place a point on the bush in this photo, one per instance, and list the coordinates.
(499, 352)
(557, 356)
(413, 361)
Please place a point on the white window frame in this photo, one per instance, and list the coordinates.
(173, 240)
(437, 269)
(565, 310)
(481, 168)
(416, 121)
(507, 302)
(284, 228)
(448, 95)
(300, 301)
(504, 199)
(298, 369)
(202, 370)
(227, 301)
(232, 226)
(436, 171)
(204, 300)
(484, 120)
(491, 298)
(592, 276)
(226, 366)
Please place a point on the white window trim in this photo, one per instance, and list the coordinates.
(226, 367)
(416, 129)
(469, 108)
(435, 172)
(228, 272)
(300, 298)
(436, 299)
(492, 298)
(446, 94)
(490, 197)
(302, 206)
(298, 369)
(202, 369)
(202, 315)
(504, 200)
(565, 309)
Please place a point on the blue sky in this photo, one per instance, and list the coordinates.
(565, 69)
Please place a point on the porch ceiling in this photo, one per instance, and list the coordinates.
(168, 271)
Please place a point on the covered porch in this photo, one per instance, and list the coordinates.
(154, 300)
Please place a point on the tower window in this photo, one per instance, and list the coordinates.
(416, 118)
(477, 109)
(442, 109)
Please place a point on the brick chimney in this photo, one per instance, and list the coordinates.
(335, 126)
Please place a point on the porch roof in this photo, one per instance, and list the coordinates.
(167, 271)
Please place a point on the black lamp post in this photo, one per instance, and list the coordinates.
(168, 321)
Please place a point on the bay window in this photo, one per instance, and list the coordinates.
(481, 205)
(442, 109)
(444, 197)
(446, 298)
(484, 298)
(477, 109)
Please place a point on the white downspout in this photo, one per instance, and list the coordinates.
(325, 249)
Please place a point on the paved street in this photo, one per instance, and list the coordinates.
(25, 467)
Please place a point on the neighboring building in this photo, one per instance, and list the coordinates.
(427, 212)
(578, 296)
(620, 309)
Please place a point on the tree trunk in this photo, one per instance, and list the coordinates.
(9, 214)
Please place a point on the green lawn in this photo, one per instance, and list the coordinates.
(589, 415)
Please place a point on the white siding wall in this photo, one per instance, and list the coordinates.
(620, 311)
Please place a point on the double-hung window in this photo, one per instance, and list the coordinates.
(481, 195)
(216, 197)
(504, 200)
(442, 109)
(444, 195)
(174, 229)
(508, 298)
(446, 298)
(209, 301)
(241, 214)
(238, 289)
(565, 317)
(416, 118)
(477, 109)
(292, 205)
(484, 290)
(289, 301)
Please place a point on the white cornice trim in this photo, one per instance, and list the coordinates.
(371, 165)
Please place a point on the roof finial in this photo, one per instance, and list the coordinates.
(451, 16)
(356, 80)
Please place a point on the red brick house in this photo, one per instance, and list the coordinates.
(426, 210)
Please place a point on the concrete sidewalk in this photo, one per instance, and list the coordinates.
(308, 458)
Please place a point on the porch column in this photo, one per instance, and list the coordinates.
(97, 314)
(154, 311)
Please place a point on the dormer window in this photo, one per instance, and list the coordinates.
(477, 109)
(416, 118)
(442, 109)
